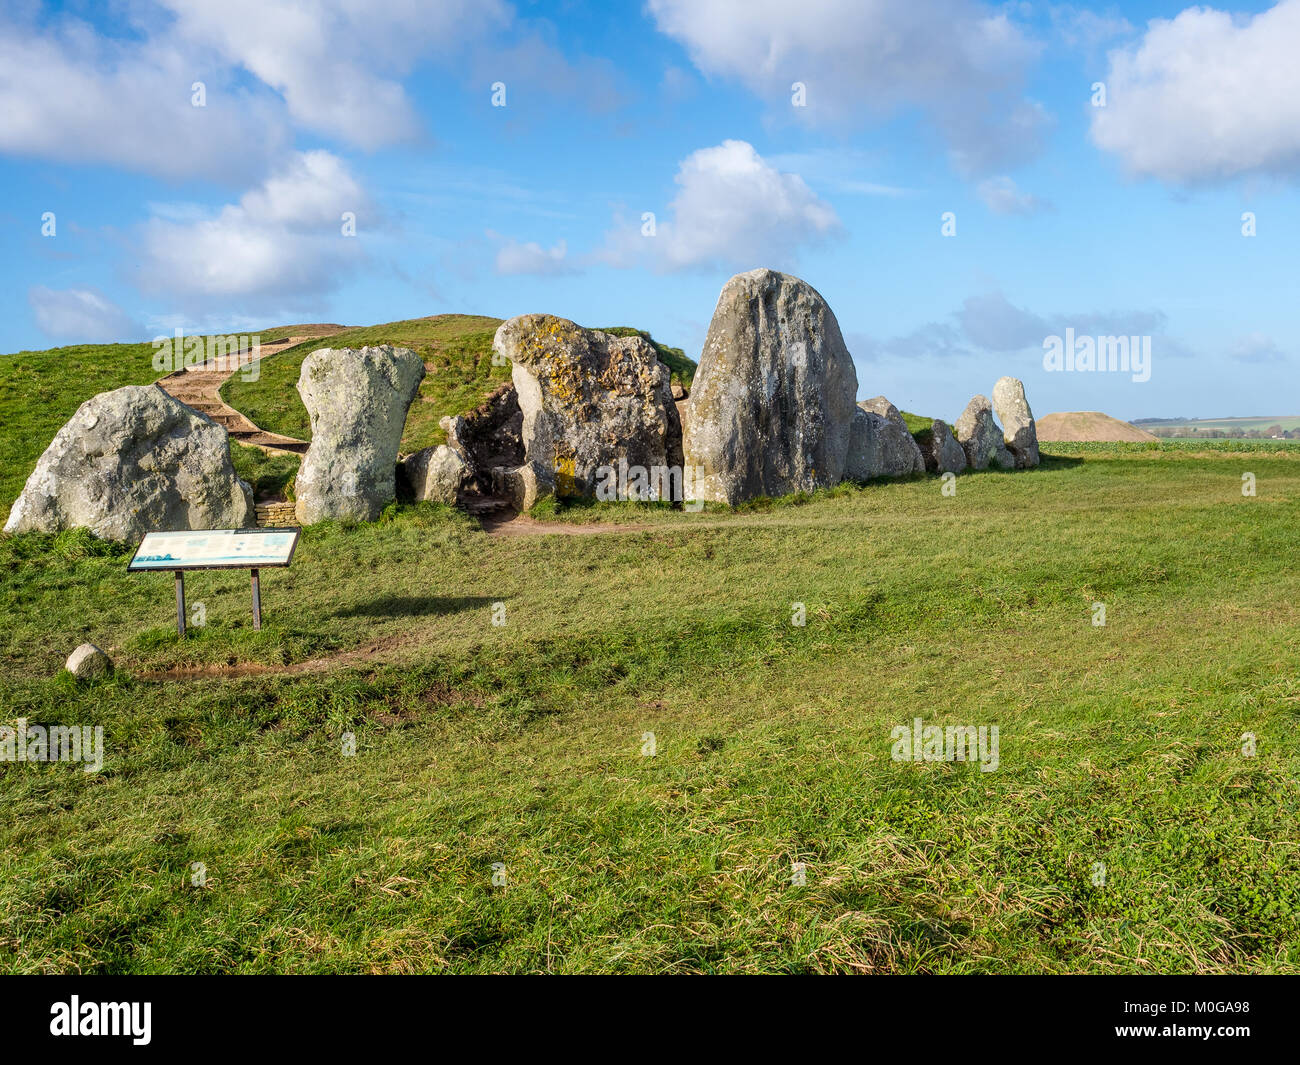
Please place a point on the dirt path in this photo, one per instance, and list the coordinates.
(511, 524)
(201, 391)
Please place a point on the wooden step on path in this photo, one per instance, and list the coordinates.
(200, 390)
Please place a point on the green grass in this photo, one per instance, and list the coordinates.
(40, 390)
(457, 351)
(270, 476)
(522, 744)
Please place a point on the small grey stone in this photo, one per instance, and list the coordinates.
(436, 474)
(88, 662)
(940, 449)
(895, 451)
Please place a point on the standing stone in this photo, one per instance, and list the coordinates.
(900, 454)
(88, 662)
(940, 449)
(1018, 428)
(436, 475)
(133, 461)
(589, 401)
(981, 438)
(357, 399)
(771, 407)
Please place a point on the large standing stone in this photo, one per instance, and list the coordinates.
(436, 474)
(900, 454)
(980, 436)
(940, 449)
(771, 407)
(1018, 428)
(357, 399)
(132, 461)
(589, 400)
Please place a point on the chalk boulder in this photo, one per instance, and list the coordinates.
(132, 461)
(88, 662)
(771, 408)
(357, 399)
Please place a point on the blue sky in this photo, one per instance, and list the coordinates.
(1123, 219)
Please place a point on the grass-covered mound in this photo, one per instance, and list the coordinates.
(456, 348)
(525, 744)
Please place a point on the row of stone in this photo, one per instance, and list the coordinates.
(772, 411)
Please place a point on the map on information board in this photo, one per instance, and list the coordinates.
(215, 549)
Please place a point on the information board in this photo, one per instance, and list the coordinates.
(215, 549)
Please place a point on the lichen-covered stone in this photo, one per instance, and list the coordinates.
(133, 461)
(588, 400)
(981, 438)
(357, 399)
(1018, 428)
(771, 408)
(940, 449)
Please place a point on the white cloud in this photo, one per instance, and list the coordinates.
(336, 62)
(81, 314)
(1085, 29)
(1206, 96)
(73, 94)
(960, 62)
(1256, 348)
(1002, 195)
(732, 207)
(514, 257)
(282, 241)
(69, 95)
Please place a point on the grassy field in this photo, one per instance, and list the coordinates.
(457, 351)
(521, 750)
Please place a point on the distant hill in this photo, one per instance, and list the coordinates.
(1086, 425)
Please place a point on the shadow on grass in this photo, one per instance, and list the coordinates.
(410, 606)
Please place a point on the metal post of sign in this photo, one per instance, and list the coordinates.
(180, 602)
(257, 602)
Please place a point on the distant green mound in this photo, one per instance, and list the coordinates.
(456, 348)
